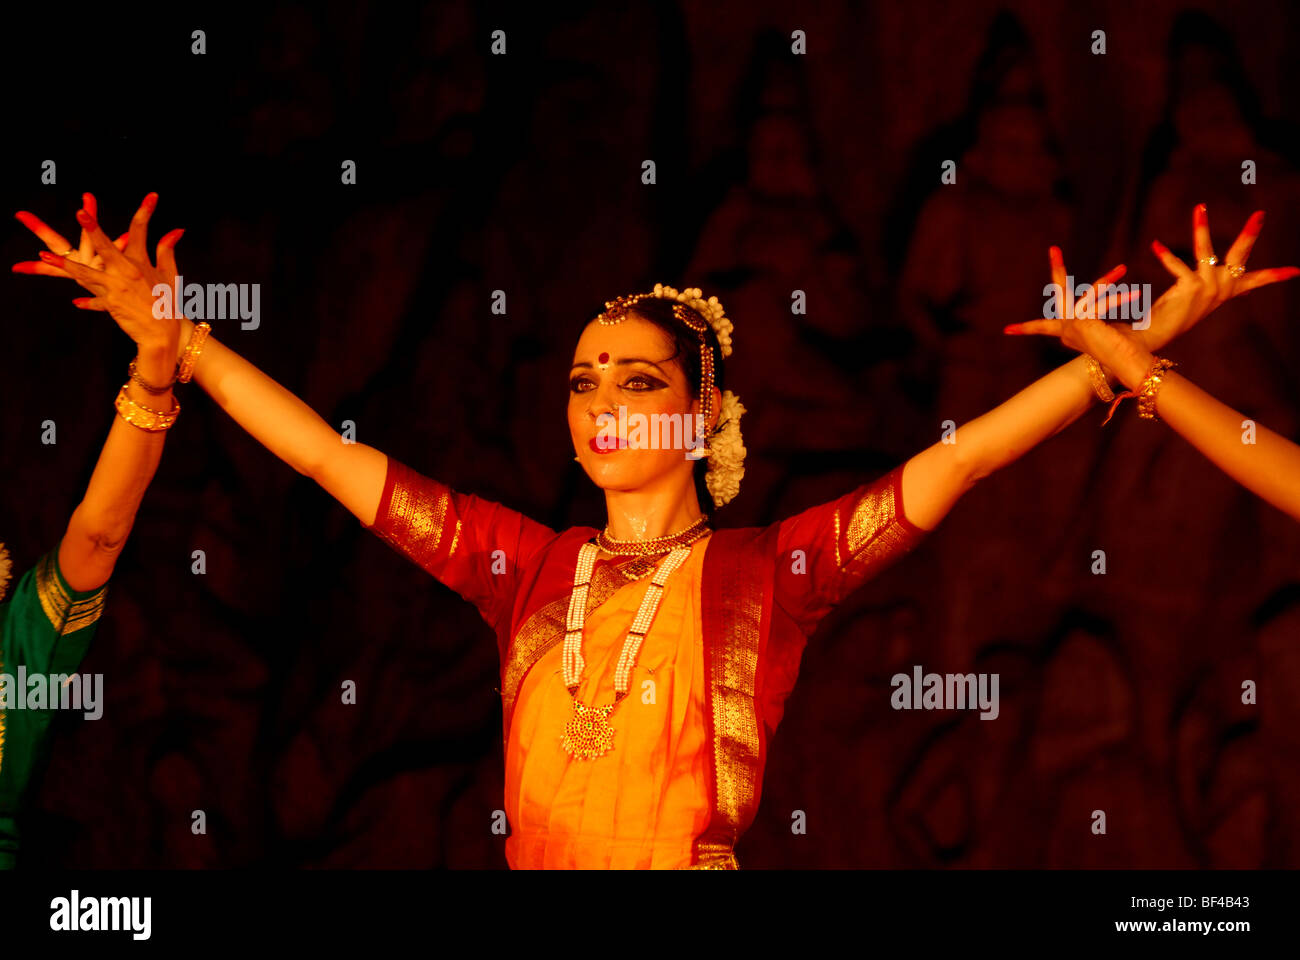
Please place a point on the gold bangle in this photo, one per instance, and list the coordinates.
(192, 350)
(135, 375)
(141, 416)
(1098, 377)
(1150, 387)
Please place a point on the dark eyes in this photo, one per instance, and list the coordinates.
(637, 383)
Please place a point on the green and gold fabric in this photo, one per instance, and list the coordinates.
(45, 626)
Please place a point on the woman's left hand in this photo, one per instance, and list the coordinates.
(1198, 292)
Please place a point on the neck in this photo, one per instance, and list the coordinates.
(648, 513)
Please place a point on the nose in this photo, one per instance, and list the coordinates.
(601, 402)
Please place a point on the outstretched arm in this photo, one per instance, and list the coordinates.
(475, 546)
(100, 524)
(935, 479)
(1268, 465)
(352, 473)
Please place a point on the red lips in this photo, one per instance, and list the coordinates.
(610, 444)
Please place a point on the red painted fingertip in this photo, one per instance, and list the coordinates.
(88, 202)
(25, 266)
(150, 201)
(51, 258)
(173, 238)
(1275, 274)
(84, 218)
(1012, 329)
(80, 302)
(22, 216)
(1159, 248)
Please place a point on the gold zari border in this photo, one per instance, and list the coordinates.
(736, 743)
(65, 614)
(417, 517)
(714, 856)
(872, 534)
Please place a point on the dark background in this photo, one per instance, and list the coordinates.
(522, 173)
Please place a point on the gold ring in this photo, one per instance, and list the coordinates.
(1235, 270)
(1211, 260)
(71, 251)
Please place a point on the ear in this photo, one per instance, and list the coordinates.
(696, 406)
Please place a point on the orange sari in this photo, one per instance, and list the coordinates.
(684, 777)
(643, 803)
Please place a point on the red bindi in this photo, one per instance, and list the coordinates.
(603, 358)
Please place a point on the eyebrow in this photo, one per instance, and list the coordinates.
(622, 361)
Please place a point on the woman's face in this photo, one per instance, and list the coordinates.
(622, 378)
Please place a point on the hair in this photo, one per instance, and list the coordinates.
(686, 351)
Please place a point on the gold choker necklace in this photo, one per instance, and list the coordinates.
(644, 548)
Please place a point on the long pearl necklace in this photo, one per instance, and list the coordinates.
(588, 733)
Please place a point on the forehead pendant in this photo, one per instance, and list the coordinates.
(616, 311)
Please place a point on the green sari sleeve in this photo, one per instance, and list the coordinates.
(46, 627)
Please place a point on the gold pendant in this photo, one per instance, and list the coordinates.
(588, 734)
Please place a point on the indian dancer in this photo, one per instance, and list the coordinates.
(1261, 460)
(645, 664)
(48, 620)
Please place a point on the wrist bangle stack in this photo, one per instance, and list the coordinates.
(1150, 387)
(143, 417)
(1098, 377)
(185, 369)
(149, 387)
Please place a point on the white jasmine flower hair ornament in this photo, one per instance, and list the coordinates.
(711, 310)
(724, 447)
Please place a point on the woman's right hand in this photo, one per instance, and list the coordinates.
(54, 241)
(1078, 324)
(120, 276)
